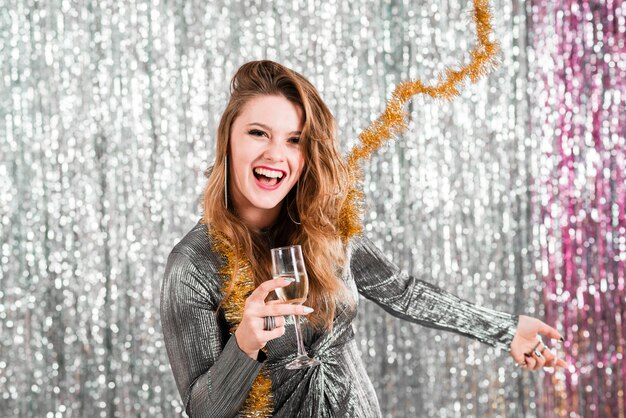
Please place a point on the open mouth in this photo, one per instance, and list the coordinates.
(268, 177)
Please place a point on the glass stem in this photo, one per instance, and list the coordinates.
(301, 350)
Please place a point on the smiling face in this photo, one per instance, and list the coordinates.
(265, 158)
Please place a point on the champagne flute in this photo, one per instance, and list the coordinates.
(287, 262)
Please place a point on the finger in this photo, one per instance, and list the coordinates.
(531, 362)
(540, 361)
(275, 333)
(549, 357)
(548, 331)
(282, 309)
(518, 357)
(260, 293)
(561, 363)
(280, 321)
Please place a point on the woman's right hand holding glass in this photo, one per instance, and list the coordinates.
(251, 334)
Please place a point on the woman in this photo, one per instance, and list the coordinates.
(278, 179)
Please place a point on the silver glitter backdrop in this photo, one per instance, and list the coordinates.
(108, 111)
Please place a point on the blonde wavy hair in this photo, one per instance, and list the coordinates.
(315, 201)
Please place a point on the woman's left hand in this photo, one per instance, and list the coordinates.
(528, 349)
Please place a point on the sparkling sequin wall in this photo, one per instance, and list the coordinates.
(512, 196)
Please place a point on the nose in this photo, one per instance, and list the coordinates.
(275, 151)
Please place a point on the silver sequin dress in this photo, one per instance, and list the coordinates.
(214, 376)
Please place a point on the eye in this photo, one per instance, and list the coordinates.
(294, 140)
(256, 132)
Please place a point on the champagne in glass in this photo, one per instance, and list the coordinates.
(296, 292)
(287, 262)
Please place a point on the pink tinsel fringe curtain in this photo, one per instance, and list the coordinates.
(579, 115)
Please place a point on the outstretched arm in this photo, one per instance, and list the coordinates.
(415, 300)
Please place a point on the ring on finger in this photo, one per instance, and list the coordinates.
(269, 323)
(534, 351)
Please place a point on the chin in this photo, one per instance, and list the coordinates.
(267, 204)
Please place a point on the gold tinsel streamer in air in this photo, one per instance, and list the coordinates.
(238, 284)
(392, 121)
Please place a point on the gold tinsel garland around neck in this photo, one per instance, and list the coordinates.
(238, 282)
(259, 402)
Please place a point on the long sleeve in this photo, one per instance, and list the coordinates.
(212, 374)
(409, 298)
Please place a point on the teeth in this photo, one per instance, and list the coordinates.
(269, 173)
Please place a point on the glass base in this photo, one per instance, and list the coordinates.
(302, 362)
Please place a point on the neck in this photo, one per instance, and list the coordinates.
(258, 219)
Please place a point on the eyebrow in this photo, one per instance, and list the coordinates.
(270, 129)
